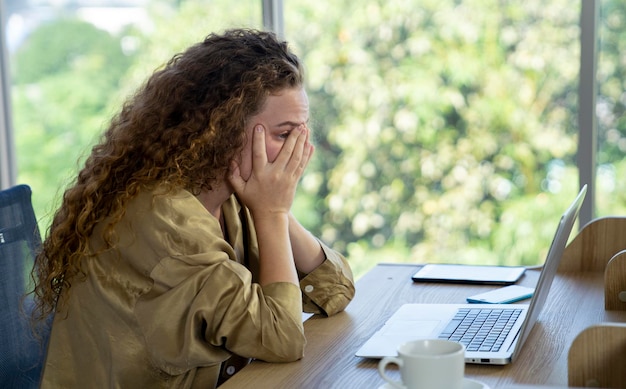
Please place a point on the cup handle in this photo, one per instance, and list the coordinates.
(382, 365)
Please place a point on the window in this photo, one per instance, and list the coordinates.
(447, 131)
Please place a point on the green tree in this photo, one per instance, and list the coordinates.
(64, 76)
(436, 118)
(611, 109)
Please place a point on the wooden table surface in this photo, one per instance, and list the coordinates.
(576, 301)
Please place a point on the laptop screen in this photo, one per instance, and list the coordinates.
(551, 265)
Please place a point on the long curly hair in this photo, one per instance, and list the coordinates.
(181, 129)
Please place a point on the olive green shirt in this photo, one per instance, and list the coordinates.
(175, 299)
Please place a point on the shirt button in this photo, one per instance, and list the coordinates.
(309, 288)
(230, 370)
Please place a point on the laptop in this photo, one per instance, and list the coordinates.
(515, 321)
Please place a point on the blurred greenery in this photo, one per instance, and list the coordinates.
(445, 130)
(60, 94)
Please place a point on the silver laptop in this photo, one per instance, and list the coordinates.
(515, 321)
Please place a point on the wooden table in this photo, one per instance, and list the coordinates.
(574, 303)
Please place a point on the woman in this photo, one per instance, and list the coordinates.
(175, 249)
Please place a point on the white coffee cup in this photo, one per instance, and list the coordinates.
(427, 364)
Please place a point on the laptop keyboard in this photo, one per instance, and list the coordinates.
(481, 329)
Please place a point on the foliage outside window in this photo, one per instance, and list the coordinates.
(451, 126)
(611, 108)
(445, 130)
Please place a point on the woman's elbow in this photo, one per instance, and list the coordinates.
(286, 349)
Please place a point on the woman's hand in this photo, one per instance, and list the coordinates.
(271, 187)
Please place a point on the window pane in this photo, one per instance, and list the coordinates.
(446, 129)
(72, 66)
(611, 108)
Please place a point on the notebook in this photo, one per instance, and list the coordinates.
(415, 321)
(456, 273)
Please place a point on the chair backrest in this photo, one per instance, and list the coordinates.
(21, 352)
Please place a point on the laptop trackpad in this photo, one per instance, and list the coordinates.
(410, 329)
(410, 322)
(386, 340)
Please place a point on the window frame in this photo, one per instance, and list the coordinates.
(8, 171)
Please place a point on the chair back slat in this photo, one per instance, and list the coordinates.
(23, 353)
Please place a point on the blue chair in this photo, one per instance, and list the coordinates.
(22, 354)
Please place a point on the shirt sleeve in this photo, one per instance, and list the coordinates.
(326, 290)
(330, 287)
(203, 305)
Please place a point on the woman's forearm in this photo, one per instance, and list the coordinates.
(307, 252)
(276, 258)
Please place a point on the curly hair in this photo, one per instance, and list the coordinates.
(181, 129)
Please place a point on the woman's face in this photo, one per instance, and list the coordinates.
(282, 113)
